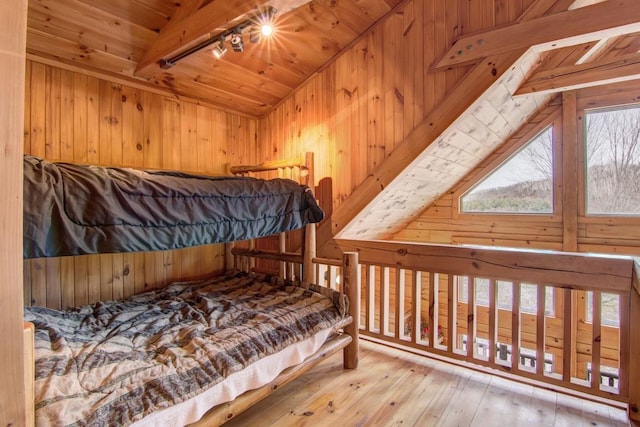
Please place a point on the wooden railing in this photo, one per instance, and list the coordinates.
(533, 315)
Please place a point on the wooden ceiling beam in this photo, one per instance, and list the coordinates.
(571, 77)
(176, 36)
(186, 8)
(601, 20)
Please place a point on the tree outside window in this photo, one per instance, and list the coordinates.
(521, 185)
(612, 139)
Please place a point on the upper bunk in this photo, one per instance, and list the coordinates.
(72, 209)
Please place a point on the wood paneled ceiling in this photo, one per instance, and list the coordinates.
(556, 45)
(118, 37)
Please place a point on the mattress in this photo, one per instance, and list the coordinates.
(72, 209)
(253, 376)
(116, 362)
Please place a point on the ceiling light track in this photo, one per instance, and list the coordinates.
(259, 25)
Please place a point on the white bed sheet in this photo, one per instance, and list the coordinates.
(253, 376)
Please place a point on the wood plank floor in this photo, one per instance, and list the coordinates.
(395, 388)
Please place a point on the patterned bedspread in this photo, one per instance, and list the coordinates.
(112, 363)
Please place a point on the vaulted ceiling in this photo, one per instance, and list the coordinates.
(517, 70)
(126, 39)
(556, 45)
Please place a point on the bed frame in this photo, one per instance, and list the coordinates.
(300, 263)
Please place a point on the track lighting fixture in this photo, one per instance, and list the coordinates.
(219, 50)
(236, 41)
(260, 25)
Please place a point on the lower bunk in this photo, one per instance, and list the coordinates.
(167, 357)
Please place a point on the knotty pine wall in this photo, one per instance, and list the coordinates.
(73, 117)
(355, 111)
(442, 223)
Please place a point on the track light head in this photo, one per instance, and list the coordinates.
(219, 50)
(236, 42)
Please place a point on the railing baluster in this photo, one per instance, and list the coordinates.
(399, 306)
(540, 328)
(384, 301)
(416, 305)
(567, 335)
(515, 327)
(596, 338)
(321, 271)
(451, 313)
(370, 283)
(493, 314)
(471, 315)
(433, 308)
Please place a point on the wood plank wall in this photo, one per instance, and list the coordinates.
(442, 223)
(13, 22)
(355, 111)
(73, 117)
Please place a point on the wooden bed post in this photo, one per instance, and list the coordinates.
(309, 248)
(350, 287)
(308, 269)
(29, 373)
(229, 261)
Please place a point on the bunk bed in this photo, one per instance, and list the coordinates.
(194, 351)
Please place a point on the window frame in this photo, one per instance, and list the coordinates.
(623, 218)
(553, 121)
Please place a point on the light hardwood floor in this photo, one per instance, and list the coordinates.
(396, 388)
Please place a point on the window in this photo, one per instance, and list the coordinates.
(522, 184)
(612, 151)
(609, 309)
(504, 298)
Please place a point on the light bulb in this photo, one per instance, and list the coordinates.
(266, 29)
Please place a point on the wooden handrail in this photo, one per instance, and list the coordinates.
(569, 270)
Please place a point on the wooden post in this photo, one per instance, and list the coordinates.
(229, 262)
(29, 373)
(351, 287)
(309, 248)
(569, 172)
(13, 26)
(282, 248)
(308, 270)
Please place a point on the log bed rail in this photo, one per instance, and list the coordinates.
(523, 304)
